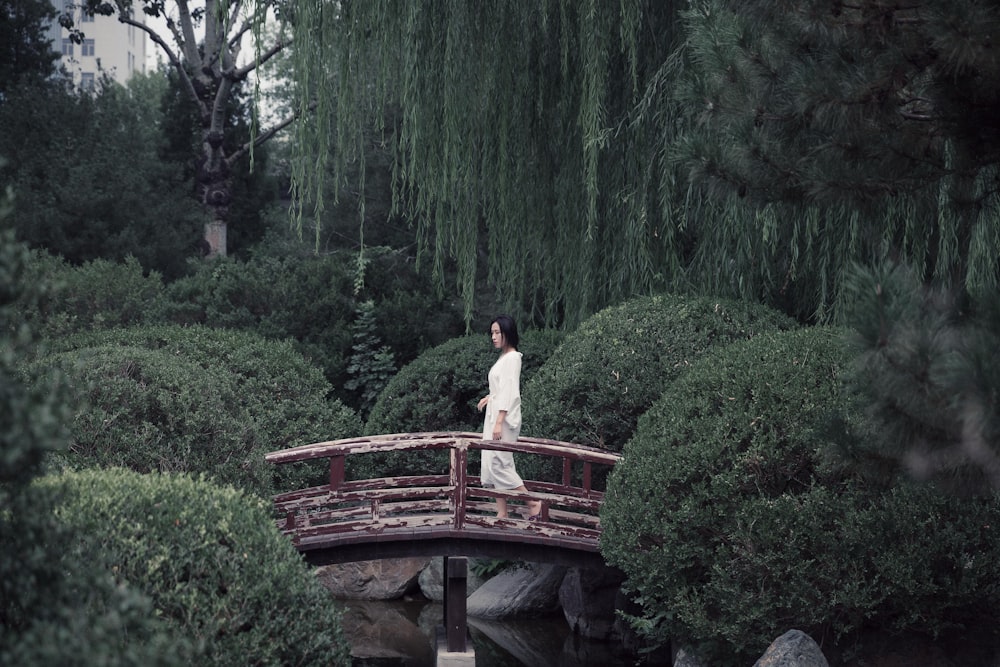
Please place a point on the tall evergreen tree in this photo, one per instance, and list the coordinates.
(89, 180)
(928, 376)
(26, 52)
(888, 109)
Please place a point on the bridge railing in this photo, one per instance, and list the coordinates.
(443, 502)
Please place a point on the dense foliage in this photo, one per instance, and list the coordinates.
(312, 300)
(26, 52)
(307, 299)
(96, 295)
(617, 363)
(732, 522)
(887, 110)
(927, 373)
(55, 608)
(211, 561)
(197, 400)
(89, 180)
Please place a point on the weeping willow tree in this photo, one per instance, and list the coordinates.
(518, 131)
(588, 151)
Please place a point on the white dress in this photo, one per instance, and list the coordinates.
(497, 469)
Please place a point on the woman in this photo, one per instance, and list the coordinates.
(503, 415)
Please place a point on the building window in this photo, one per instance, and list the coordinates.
(67, 47)
(87, 81)
(86, 17)
(87, 48)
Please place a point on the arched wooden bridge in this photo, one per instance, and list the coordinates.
(444, 514)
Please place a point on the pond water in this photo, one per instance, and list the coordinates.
(401, 633)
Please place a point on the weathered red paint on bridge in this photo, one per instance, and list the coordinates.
(440, 514)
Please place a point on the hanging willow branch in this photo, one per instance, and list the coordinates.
(591, 151)
(507, 119)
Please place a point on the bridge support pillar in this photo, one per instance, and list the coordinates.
(453, 648)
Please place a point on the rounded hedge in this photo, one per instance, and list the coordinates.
(54, 609)
(100, 294)
(439, 390)
(311, 299)
(211, 561)
(610, 370)
(194, 399)
(308, 299)
(734, 523)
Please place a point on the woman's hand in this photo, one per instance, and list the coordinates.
(498, 427)
(482, 403)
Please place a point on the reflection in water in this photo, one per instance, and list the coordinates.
(400, 633)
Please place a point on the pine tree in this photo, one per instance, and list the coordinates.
(372, 364)
(891, 109)
(26, 52)
(929, 378)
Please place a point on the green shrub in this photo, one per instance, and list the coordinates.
(733, 523)
(97, 295)
(311, 299)
(211, 561)
(610, 370)
(306, 299)
(194, 399)
(55, 609)
(439, 390)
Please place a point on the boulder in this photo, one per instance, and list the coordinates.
(589, 601)
(686, 659)
(432, 580)
(388, 579)
(530, 589)
(793, 649)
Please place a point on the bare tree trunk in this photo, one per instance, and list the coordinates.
(216, 193)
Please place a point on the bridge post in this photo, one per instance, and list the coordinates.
(336, 471)
(459, 479)
(452, 650)
(455, 591)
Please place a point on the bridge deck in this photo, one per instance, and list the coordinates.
(441, 514)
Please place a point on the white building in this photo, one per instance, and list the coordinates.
(109, 46)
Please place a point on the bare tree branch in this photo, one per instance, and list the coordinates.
(263, 137)
(172, 58)
(242, 72)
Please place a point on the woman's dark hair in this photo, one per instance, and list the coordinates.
(508, 329)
